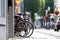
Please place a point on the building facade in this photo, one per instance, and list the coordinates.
(3, 31)
(6, 20)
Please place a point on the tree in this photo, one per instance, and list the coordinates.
(38, 6)
(44, 5)
(31, 6)
(49, 3)
(34, 6)
(41, 8)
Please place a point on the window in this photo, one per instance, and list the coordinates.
(2, 8)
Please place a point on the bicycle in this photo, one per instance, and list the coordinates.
(23, 26)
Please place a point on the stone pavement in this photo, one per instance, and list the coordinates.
(42, 34)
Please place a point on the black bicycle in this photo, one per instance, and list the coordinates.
(22, 25)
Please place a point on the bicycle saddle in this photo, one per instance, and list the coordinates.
(15, 16)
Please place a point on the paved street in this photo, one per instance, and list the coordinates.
(42, 34)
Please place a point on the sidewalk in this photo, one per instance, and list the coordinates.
(42, 34)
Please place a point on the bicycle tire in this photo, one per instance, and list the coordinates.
(20, 28)
(30, 25)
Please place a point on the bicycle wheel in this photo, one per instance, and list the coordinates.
(22, 29)
(30, 29)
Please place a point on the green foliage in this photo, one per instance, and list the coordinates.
(42, 6)
(38, 6)
(31, 5)
(49, 3)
